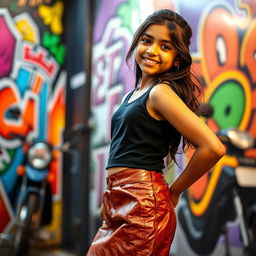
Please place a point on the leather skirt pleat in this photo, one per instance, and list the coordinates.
(138, 216)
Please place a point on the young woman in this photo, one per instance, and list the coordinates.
(138, 206)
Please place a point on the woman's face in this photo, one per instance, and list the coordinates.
(155, 53)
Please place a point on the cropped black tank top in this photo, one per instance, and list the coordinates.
(138, 139)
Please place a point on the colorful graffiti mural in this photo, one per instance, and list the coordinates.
(31, 77)
(223, 49)
(224, 59)
(107, 88)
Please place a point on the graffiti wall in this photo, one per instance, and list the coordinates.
(224, 57)
(223, 49)
(32, 78)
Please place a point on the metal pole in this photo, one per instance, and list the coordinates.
(85, 153)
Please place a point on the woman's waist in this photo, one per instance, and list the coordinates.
(116, 164)
(114, 170)
(117, 177)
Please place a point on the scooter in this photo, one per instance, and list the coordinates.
(234, 197)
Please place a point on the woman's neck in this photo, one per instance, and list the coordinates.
(145, 83)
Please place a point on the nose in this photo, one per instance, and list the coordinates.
(152, 50)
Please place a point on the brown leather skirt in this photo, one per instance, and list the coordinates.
(138, 216)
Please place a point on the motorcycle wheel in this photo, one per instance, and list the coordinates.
(253, 232)
(23, 229)
(251, 249)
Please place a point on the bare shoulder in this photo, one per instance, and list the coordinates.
(162, 91)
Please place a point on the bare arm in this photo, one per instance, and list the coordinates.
(166, 104)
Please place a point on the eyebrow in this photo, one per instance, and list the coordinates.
(162, 40)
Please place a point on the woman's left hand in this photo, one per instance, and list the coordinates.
(174, 197)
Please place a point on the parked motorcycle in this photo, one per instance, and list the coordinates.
(233, 198)
(34, 200)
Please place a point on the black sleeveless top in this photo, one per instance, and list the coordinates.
(138, 139)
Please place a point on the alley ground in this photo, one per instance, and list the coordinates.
(6, 250)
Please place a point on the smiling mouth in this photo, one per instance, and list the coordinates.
(150, 61)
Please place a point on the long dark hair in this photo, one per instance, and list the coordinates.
(182, 80)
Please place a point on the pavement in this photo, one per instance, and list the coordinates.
(50, 252)
(7, 250)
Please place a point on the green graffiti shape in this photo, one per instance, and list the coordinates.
(13, 6)
(228, 102)
(52, 43)
(125, 10)
(11, 153)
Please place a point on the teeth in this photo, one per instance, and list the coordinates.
(150, 61)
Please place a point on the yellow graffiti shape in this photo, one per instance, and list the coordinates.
(199, 208)
(52, 16)
(26, 30)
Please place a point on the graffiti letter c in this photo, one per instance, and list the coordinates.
(9, 97)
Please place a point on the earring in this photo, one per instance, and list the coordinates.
(177, 68)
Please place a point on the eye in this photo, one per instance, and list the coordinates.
(166, 47)
(146, 40)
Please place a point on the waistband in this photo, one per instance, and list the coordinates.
(133, 175)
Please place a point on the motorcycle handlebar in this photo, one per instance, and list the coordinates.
(205, 110)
